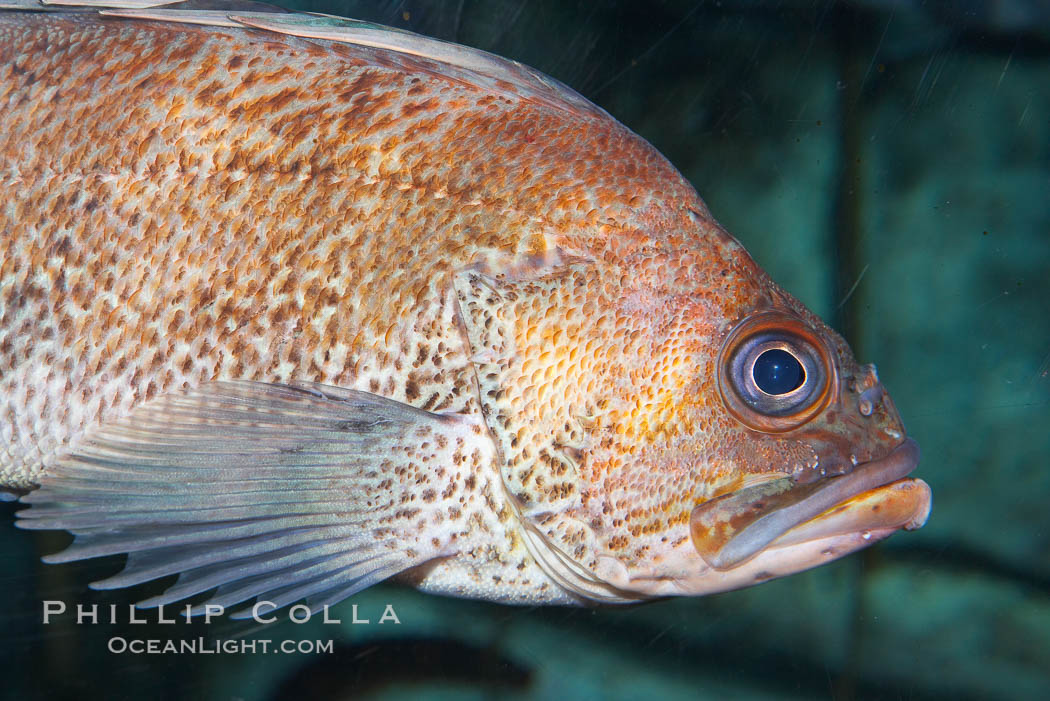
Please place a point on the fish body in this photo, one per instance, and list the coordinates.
(291, 305)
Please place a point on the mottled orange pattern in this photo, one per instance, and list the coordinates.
(186, 204)
(216, 204)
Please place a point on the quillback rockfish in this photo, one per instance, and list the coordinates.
(292, 304)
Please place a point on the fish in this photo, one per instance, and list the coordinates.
(293, 304)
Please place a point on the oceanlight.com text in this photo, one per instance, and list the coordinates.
(200, 646)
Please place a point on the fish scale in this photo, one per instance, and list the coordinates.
(246, 258)
(213, 218)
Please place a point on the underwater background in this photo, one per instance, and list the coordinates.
(888, 162)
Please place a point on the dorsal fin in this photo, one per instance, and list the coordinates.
(481, 68)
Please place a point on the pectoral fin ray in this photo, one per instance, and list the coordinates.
(255, 490)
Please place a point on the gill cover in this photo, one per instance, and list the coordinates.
(537, 349)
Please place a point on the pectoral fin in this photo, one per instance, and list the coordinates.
(280, 492)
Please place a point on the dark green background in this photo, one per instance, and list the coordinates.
(897, 150)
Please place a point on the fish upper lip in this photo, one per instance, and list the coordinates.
(729, 530)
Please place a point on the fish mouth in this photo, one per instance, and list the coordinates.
(874, 499)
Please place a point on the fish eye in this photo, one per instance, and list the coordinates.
(775, 373)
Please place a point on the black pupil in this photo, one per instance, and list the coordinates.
(778, 372)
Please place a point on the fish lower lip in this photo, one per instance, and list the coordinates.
(734, 528)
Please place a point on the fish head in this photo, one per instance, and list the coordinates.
(669, 421)
(812, 458)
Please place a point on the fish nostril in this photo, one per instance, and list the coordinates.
(868, 399)
(871, 374)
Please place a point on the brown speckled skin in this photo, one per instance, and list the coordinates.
(186, 204)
